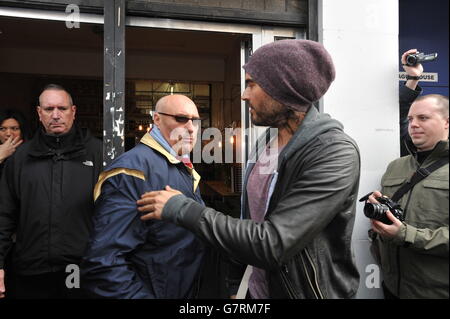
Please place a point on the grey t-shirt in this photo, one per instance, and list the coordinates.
(258, 186)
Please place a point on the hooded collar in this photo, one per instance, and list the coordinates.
(62, 146)
(313, 125)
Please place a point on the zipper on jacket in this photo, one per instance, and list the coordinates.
(309, 279)
(287, 284)
(313, 283)
(405, 210)
(49, 252)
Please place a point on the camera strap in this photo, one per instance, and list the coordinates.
(419, 175)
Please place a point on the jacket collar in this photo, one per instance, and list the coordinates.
(440, 150)
(148, 140)
(62, 146)
(314, 124)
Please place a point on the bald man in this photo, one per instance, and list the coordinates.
(126, 257)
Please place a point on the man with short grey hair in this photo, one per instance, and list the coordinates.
(46, 200)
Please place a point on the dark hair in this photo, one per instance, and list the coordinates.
(55, 87)
(18, 116)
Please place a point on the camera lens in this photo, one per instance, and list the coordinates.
(411, 60)
(377, 212)
(373, 210)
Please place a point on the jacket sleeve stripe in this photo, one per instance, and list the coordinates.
(116, 171)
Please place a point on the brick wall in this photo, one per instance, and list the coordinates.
(269, 12)
(278, 6)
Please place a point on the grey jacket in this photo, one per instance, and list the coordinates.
(304, 244)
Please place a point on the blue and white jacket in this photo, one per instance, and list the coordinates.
(130, 258)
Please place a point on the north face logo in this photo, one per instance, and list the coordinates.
(88, 163)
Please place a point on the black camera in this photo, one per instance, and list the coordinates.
(413, 59)
(378, 211)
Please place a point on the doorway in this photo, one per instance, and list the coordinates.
(200, 59)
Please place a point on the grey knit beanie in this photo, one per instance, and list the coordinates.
(295, 73)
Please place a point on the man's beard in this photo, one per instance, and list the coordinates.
(273, 114)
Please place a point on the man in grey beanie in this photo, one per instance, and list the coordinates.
(298, 206)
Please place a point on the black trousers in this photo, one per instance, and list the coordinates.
(43, 286)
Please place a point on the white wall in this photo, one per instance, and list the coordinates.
(362, 37)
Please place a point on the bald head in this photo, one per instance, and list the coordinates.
(177, 117)
(174, 103)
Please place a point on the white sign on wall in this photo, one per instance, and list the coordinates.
(425, 77)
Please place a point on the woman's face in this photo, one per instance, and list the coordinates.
(9, 128)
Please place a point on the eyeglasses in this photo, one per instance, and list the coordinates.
(12, 128)
(183, 119)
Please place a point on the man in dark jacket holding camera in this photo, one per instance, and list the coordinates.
(46, 200)
(298, 206)
(407, 94)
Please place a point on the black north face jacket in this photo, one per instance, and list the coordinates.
(46, 199)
